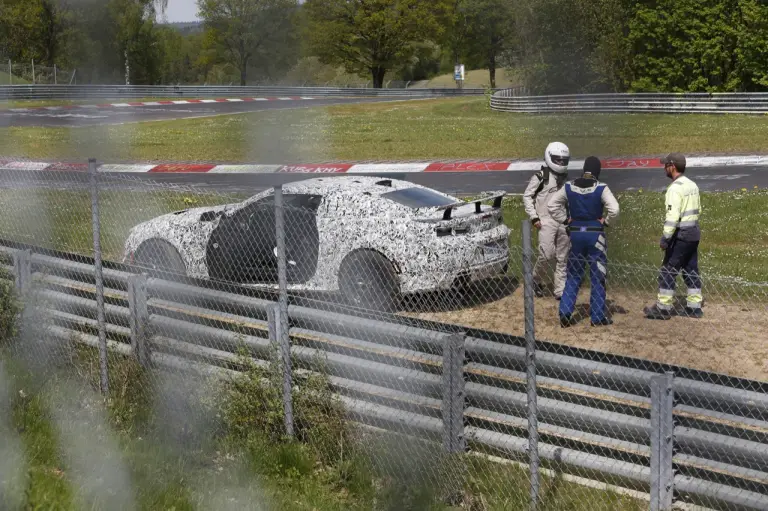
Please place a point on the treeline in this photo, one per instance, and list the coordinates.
(553, 46)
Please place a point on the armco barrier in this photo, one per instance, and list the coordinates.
(741, 103)
(81, 92)
(593, 416)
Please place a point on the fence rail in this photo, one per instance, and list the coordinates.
(458, 388)
(77, 92)
(744, 103)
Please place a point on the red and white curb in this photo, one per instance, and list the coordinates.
(377, 168)
(158, 103)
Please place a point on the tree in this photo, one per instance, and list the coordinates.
(700, 45)
(373, 36)
(248, 29)
(490, 26)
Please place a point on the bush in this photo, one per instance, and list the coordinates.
(9, 307)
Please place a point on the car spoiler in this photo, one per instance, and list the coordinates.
(497, 198)
(447, 209)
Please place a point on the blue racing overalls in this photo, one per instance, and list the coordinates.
(585, 199)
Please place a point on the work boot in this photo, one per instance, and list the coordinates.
(654, 312)
(694, 313)
(603, 322)
(566, 321)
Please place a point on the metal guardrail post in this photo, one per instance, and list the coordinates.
(662, 442)
(530, 364)
(453, 394)
(280, 340)
(139, 319)
(22, 271)
(101, 321)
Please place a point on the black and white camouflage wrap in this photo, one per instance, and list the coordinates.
(353, 216)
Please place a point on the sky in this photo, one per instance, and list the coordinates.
(181, 10)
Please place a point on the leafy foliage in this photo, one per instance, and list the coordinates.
(249, 31)
(372, 36)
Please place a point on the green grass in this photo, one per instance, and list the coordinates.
(418, 130)
(5, 79)
(60, 219)
(474, 79)
(81, 451)
(729, 248)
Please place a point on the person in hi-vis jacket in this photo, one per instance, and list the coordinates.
(680, 242)
(580, 205)
(553, 240)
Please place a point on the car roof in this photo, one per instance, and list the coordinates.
(328, 185)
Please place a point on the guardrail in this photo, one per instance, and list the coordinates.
(594, 416)
(738, 103)
(78, 92)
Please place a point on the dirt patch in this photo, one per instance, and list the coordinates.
(731, 339)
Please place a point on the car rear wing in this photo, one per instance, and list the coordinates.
(497, 197)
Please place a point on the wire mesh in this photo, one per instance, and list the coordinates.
(404, 326)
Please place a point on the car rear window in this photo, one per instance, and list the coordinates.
(418, 198)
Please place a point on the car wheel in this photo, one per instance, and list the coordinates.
(160, 256)
(368, 280)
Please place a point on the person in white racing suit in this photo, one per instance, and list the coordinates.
(554, 242)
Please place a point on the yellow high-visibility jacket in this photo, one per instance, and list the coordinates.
(683, 208)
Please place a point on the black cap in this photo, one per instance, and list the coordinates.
(676, 159)
(593, 166)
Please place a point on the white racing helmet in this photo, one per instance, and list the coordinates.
(557, 155)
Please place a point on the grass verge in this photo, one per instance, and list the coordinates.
(417, 130)
(60, 219)
(164, 440)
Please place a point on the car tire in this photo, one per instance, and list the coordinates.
(160, 256)
(368, 280)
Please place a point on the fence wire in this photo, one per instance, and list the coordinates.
(383, 327)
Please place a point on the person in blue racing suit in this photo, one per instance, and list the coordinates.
(579, 205)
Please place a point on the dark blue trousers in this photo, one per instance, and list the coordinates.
(586, 247)
(681, 256)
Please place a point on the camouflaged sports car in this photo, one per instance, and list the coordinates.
(373, 239)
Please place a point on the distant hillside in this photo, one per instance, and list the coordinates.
(186, 27)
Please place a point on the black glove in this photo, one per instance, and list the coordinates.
(664, 243)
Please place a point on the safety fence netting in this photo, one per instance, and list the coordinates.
(407, 342)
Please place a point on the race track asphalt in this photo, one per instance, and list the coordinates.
(715, 179)
(81, 117)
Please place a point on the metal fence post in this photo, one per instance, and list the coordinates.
(453, 393)
(95, 219)
(22, 271)
(662, 442)
(137, 304)
(281, 341)
(530, 364)
(282, 332)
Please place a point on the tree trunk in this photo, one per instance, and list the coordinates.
(492, 68)
(378, 77)
(243, 73)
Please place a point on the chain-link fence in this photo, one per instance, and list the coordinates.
(30, 73)
(410, 340)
